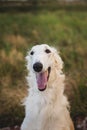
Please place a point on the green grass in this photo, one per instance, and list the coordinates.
(66, 30)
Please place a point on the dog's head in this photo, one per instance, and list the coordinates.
(44, 62)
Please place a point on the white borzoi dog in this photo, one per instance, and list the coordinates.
(46, 106)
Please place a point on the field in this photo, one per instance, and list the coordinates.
(65, 30)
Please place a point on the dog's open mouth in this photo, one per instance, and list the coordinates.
(42, 79)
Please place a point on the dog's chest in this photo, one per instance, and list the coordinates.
(43, 118)
(42, 114)
(38, 110)
(38, 115)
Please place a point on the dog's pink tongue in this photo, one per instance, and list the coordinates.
(41, 80)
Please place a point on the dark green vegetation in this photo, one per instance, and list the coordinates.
(66, 30)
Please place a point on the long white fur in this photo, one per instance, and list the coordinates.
(46, 110)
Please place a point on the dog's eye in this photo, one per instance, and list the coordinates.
(47, 51)
(32, 52)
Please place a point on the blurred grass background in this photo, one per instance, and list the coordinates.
(19, 31)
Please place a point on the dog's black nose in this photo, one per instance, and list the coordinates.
(37, 67)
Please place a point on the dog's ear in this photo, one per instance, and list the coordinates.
(57, 60)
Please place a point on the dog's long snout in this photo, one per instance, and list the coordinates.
(37, 67)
